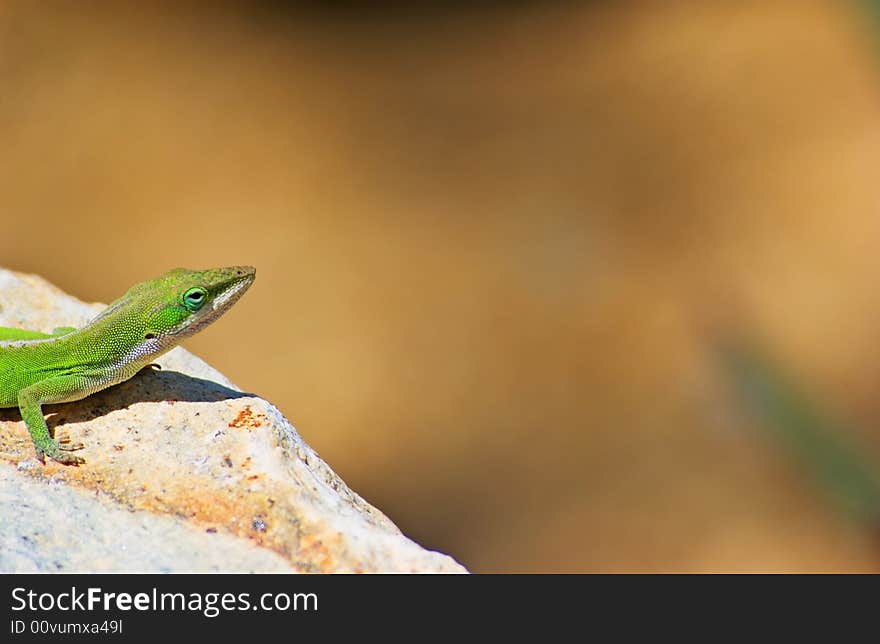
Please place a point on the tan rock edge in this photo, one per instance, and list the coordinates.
(184, 473)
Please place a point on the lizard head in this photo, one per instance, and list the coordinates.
(182, 301)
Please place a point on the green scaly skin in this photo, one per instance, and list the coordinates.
(70, 364)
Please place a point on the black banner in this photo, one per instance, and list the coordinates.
(256, 608)
(124, 607)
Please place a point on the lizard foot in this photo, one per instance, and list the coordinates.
(60, 452)
(66, 458)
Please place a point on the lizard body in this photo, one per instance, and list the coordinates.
(70, 364)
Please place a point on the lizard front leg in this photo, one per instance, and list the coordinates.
(31, 401)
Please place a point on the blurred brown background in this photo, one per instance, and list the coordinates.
(496, 247)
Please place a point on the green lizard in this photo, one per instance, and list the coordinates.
(70, 364)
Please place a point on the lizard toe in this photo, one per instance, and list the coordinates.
(65, 443)
(66, 458)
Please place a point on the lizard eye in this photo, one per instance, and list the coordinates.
(195, 298)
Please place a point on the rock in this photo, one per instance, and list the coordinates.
(183, 472)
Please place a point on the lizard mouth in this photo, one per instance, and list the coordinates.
(231, 295)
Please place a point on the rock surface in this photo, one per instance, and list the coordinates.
(183, 472)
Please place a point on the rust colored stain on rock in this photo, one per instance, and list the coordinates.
(247, 418)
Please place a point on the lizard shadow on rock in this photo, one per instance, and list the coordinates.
(146, 386)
